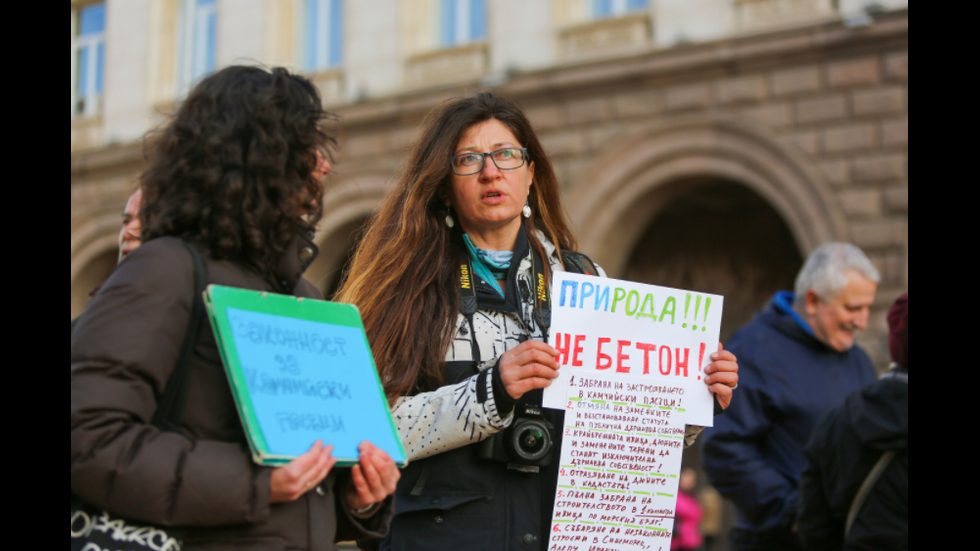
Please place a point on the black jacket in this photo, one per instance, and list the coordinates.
(122, 352)
(845, 448)
(456, 500)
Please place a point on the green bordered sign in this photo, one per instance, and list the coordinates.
(301, 370)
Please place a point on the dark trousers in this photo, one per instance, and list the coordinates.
(743, 540)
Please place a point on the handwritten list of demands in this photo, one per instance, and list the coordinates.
(620, 461)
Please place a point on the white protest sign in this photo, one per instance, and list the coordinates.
(620, 460)
(663, 335)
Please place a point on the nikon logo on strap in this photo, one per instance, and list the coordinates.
(465, 280)
(542, 289)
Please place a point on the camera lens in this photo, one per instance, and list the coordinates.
(531, 441)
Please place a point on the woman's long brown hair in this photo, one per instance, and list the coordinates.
(404, 277)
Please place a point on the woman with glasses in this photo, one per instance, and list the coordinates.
(447, 281)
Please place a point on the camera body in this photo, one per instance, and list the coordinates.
(527, 445)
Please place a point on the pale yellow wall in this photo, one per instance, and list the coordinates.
(571, 12)
(773, 13)
(418, 26)
(161, 89)
(283, 33)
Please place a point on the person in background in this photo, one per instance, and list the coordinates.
(129, 235)
(870, 429)
(687, 523)
(237, 174)
(713, 525)
(799, 361)
(450, 277)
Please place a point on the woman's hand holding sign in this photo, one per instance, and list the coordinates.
(373, 480)
(304, 473)
(722, 377)
(529, 366)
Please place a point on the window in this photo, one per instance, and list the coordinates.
(324, 47)
(198, 42)
(87, 60)
(463, 21)
(616, 8)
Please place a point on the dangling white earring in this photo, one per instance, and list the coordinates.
(527, 211)
(450, 222)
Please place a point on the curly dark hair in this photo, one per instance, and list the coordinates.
(233, 170)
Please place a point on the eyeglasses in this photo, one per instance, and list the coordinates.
(509, 158)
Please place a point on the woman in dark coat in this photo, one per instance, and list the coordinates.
(238, 173)
(870, 430)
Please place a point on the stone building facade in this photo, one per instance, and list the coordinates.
(715, 163)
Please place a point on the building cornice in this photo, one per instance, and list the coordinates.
(107, 159)
(691, 61)
(722, 56)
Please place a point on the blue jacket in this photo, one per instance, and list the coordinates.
(789, 380)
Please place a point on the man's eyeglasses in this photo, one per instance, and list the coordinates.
(469, 164)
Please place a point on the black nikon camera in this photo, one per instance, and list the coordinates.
(527, 445)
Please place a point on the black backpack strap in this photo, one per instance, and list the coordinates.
(579, 263)
(869, 484)
(170, 411)
(879, 469)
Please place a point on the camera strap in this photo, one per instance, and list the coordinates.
(469, 304)
(542, 294)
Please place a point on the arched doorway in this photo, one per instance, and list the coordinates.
(718, 237)
(94, 255)
(635, 181)
(349, 202)
(336, 252)
(89, 278)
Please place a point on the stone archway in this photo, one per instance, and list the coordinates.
(348, 204)
(94, 254)
(632, 184)
(89, 278)
(718, 237)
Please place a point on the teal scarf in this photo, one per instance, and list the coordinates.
(489, 265)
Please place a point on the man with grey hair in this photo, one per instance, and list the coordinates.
(798, 362)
